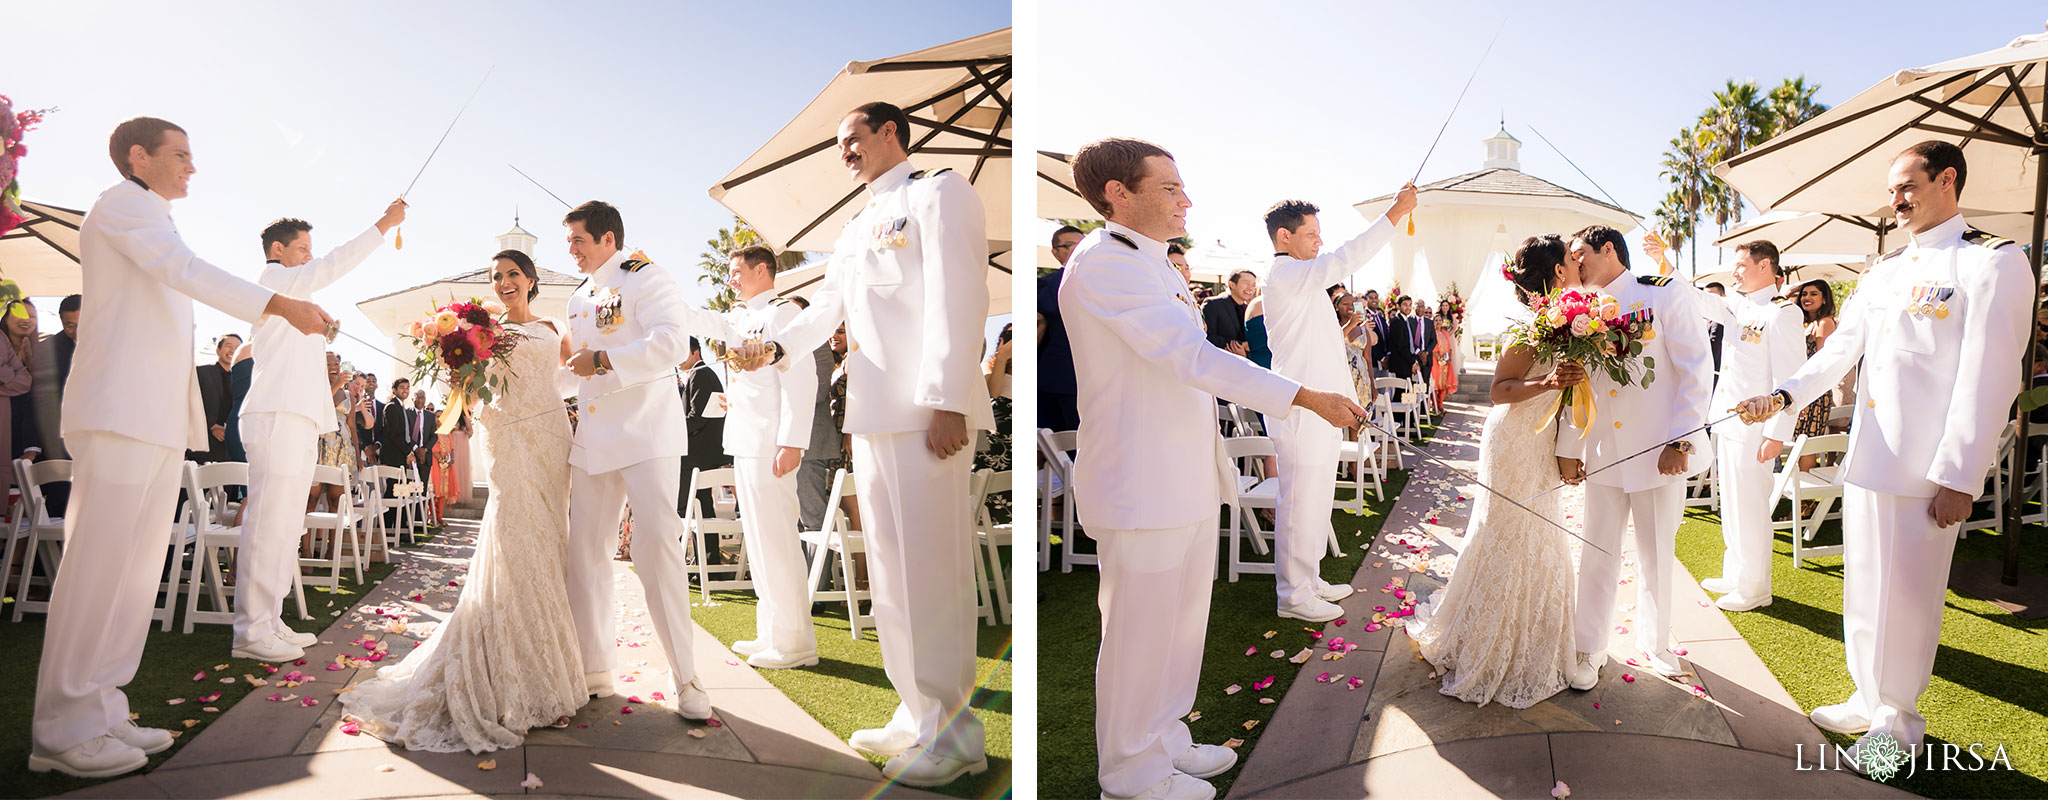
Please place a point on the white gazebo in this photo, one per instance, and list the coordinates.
(1466, 225)
(390, 312)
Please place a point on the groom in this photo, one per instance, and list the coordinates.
(625, 325)
(1648, 489)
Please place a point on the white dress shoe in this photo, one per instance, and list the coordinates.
(1206, 760)
(598, 684)
(150, 741)
(770, 659)
(103, 757)
(692, 701)
(1736, 602)
(297, 639)
(748, 647)
(1333, 592)
(270, 648)
(1315, 610)
(1718, 585)
(883, 742)
(924, 769)
(1664, 664)
(1585, 672)
(1178, 786)
(1840, 718)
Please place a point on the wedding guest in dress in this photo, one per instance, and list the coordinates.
(1149, 466)
(134, 344)
(995, 452)
(17, 379)
(1817, 305)
(336, 447)
(1443, 380)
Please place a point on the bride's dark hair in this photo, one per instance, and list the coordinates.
(1535, 265)
(525, 265)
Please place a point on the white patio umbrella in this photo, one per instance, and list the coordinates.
(41, 254)
(797, 194)
(1852, 234)
(1058, 196)
(1838, 162)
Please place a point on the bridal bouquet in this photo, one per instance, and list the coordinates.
(1589, 329)
(456, 344)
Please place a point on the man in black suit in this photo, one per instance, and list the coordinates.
(1714, 331)
(706, 433)
(1224, 316)
(1058, 407)
(52, 370)
(1403, 333)
(1380, 328)
(421, 418)
(216, 398)
(394, 438)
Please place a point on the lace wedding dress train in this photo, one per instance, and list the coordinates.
(506, 661)
(1502, 628)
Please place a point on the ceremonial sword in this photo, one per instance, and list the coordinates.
(1412, 447)
(398, 242)
(1454, 113)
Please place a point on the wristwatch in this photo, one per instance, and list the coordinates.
(602, 362)
(1681, 446)
(776, 349)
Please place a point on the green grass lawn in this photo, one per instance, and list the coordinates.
(169, 661)
(1070, 634)
(848, 691)
(1990, 681)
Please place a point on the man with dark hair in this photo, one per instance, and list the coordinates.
(1407, 335)
(1714, 329)
(1151, 466)
(394, 439)
(1179, 259)
(52, 369)
(288, 408)
(1939, 325)
(706, 427)
(1056, 405)
(214, 399)
(629, 325)
(1223, 316)
(918, 310)
(1604, 241)
(1382, 329)
(132, 414)
(1308, 346)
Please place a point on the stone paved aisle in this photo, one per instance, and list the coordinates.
(766, 747)
(1397, 736)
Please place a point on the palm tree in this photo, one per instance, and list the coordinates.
(1791, 103)
(1672, 225)
(1737, 121)
(715, 261)
(1684, 166)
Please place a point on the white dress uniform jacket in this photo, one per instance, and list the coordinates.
(1630, 419)
(132, 374)
(1762, 344)
(636, 317)
(912, 291)
(291, 367)
(1959, 366)
(1307, 343)
(1150, 454)
(767, 408)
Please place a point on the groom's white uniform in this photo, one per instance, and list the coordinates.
(1150, 476)
(629, 448)
(130, 410)
(908, 276)
(1935, 395)
(1308, 346)
(287, 410)
(1631, 419)
(1763, 343)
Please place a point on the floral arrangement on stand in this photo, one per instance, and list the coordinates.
(13, 125)
(1455, 312)
(456, 343)
(1589, 329)
(1393, 297)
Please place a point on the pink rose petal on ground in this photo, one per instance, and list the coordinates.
(1627, 677)
(270, 669)
(1314, 635)
(533, 782)
(1699, 691)
(1323, 678)
(1560, 791)
(628, 678)
(299, 663)
(1679, 651)
(273, 698)
(1620, 629)
(1232, 689)
(1263, 684)
(1251, 651)
(210, 698)
(1372, 626)
(657, 696)
(1354, 683)
(1340, 623)
(1632, 663)
(200, 677)
(634, 699)
(625, 709)
(1596, 705)
(351, 728)
(308, 702)
(715, 722)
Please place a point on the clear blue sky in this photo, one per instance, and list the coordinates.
(325, 111)
(1337, 102)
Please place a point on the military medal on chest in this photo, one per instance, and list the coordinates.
(1753, 332)
(1930, 300)
(889, 235)
(611, 309)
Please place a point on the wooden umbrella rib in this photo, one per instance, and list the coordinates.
(990, 149)
(919, 66)
(1056, 182)
(1985, 128)
(1875, 143)
(1795, 136)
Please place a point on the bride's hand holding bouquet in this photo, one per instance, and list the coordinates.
(456, 344)
(1583, 331)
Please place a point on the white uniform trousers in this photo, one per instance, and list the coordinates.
(1154, 599)
(914, 515)
(283, 449)
(597, 505)
(1894, 586)
(1308, 448)
(1745, 490)
(1656, 513)
(775, 558)
(116, 543)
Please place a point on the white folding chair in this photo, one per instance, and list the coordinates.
(333, 530)
(1054, 445)
(1486, 346)
(837, 536)
(377, 500)
(1254, 491)
(215, 537)
(1820, 484)
(989, 538)
(1997, 484)
(708, 532)
(45, 533)
(1402, 412)
(1700, 490)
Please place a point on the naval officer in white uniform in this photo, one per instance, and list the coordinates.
(1648, 489)
(907, 276)
(1940, 326)
(131, 409)
(1308, 346)
(1151, 473)
(626, 328)
(287, 410)
(1764, 341)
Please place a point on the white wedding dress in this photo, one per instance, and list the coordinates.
(1502, 628)
(506, 661)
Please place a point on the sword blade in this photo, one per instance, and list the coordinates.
(444, 134)
(1426, 455)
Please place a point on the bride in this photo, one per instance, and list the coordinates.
(1502, 629)
(506, 660)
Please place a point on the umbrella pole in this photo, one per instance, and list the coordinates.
(2010, 576)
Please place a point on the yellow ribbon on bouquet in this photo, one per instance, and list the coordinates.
(1581, 403)
(458, 402)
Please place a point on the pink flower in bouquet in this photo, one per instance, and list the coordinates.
(1582, 325)
(1610, 309)
(483, 339)
(493, 307)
